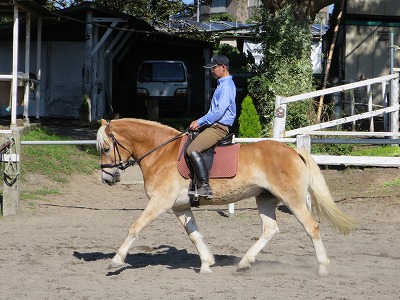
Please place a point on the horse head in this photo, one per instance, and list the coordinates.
(114, 153)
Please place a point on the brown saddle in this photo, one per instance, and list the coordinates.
(225, 164)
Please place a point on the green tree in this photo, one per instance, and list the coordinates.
(222, 17)
(303, 10)
(286, 68)
(153, 11)
(238, 61)
(249, 121)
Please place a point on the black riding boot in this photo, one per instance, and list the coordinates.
(202, 174)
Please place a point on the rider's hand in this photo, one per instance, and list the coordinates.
(194, 125)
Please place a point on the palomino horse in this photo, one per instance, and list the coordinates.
(270, 171)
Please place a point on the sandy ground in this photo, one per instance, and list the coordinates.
(60, 247)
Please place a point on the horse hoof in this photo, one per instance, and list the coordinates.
(205, 270)
(243, 265)
(114, 265)
(323, 272)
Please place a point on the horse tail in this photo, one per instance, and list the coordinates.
(323, 203)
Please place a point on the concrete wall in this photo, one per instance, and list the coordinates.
(374, 7)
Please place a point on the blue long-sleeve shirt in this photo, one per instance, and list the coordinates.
(223, 105)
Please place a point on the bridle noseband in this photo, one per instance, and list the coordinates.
(131, 162)
(120, 165)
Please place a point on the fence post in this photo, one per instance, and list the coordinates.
(279, 118)
(303, 141)
(385, 105)
(394, 101)
(11, 158)
(371, 119)
(353, 109)
(337, 102)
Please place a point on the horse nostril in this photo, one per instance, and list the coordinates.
(109, 182)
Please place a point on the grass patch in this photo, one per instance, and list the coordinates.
(38, 194)
(355, 150)
(56, 163)
(387, 151)
(395, 182)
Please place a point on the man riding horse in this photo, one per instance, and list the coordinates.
(214, 125)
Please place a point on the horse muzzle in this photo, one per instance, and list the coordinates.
(110, 176)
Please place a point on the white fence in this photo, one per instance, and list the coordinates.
(390, 112)
(390, 105)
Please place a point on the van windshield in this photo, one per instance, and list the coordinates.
(161, 71)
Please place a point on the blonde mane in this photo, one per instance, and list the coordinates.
(102, 140)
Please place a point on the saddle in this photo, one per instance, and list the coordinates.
(222, 162)
(222, 159)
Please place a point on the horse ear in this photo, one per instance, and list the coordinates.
(107, 128)
(103, 122)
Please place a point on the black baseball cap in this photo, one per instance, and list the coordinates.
(218, 60)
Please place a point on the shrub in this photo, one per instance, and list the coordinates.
(249, 121)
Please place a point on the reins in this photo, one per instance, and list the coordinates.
(133, 161)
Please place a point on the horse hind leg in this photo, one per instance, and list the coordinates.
(266, 204)
(312, 227)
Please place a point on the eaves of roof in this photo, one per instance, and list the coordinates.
(79, 12)
(34, 7)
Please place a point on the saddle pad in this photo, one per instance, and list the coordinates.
(226, 160)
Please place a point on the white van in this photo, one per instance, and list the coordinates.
(166, 81)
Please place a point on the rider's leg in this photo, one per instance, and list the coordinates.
(206, 139)
(202, 174)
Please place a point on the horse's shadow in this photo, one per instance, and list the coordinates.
(162, 255)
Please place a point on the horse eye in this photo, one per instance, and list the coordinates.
(106, 150)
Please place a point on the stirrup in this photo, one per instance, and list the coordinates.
(205, 191)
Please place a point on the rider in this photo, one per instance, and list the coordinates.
(214, 125)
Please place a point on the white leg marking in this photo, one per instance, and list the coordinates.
(267, 208)
(152, 211)
(187, 220)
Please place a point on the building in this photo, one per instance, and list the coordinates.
(88, 52)
(364, 40)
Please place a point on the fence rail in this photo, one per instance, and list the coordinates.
(390, 104)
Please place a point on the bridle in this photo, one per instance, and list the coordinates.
(131, 161)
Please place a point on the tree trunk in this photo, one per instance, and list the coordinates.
(328, 62)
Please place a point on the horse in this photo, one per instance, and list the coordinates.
(271, 171)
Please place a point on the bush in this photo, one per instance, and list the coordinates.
(249, 121)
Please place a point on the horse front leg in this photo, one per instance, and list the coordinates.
(152, 211)
(186, 217)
